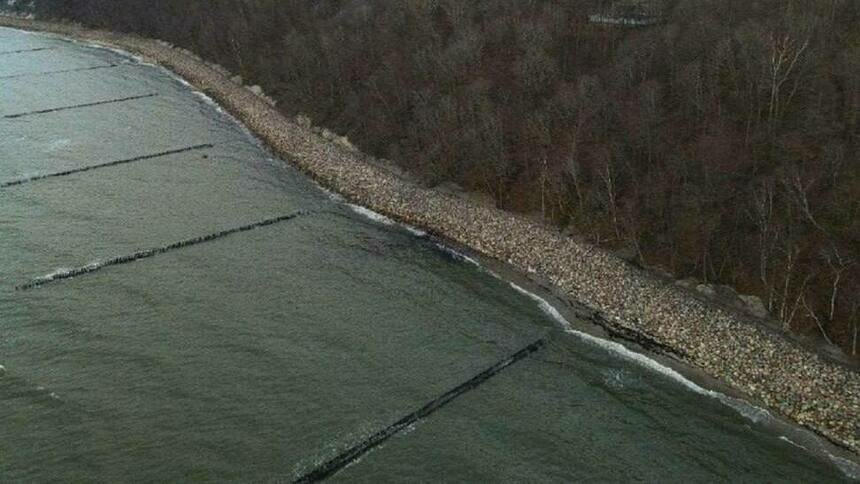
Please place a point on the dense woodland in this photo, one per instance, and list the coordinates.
(721, 144)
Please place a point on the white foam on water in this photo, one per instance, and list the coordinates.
(748, 410)
(141, 61)
(414, 230)
(371, 214)
(368, 213)
(745, 409)
(465, 258)
(848, 467)
(376, 216)
(29, 176)
(208, 100)
(53, 275)
(177, 77)
(333, 196)
(122, 53)
(334, 448)
(64, 271)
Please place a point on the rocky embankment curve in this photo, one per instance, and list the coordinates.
(769, 368)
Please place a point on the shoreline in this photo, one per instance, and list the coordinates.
(730, 347)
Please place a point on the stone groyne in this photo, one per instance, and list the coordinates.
(729, 346)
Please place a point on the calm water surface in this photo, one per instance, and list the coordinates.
(257, 356)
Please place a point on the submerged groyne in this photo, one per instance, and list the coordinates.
(147, 253)
(77, 106)
(109, 164)
(730, 346)
(332, 466)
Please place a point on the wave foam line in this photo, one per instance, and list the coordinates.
(122, 53)
(370, 214)
(202, 95)
(746, 409)
(23, 51)
(62, 71)
(103, 165)
(465, 258)
(848, 467)
(77, 106)
(144, 254)
(351, 455)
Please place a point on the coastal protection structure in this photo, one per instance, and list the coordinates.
(735, 348)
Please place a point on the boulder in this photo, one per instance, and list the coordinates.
(706, 290)
(689, 282)
(662, 272)
(726, 293)
(755, 306)
(450, 188)
(627, 253)
(304, 121)
(344, 143)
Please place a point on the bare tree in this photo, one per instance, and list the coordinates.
(815, 317)
(799, 189)
(789, 305)
(609, 177)
(838, 265)
(855, 323)
(786, 53)
(764, 218)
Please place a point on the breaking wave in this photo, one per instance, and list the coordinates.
(366, 212)
(465, 258)
(208, 100)
(749, 411)
(376, 216)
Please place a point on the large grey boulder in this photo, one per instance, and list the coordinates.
(627, 253)
(304, 121)
(755, 306)
(688, 282)
(706, 290)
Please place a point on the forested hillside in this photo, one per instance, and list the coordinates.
(721, 143)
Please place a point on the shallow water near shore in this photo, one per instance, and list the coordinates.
(259, 355)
